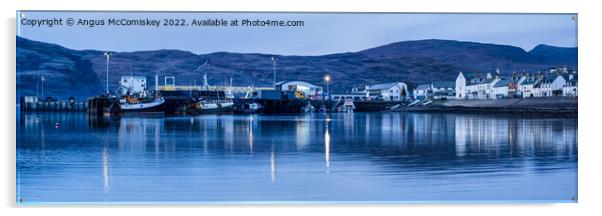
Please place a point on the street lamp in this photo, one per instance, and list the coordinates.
(327, 79)
(274, 68)
(108, 55)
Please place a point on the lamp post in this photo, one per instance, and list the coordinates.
(327, 79)
(108, 55)
(274, 68)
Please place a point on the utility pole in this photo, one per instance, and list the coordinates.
(274, 68)
(108, 55)
(42, 86)
(37, 84)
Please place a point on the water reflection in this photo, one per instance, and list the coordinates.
(327, 148)
(390, 151)
(105, 169)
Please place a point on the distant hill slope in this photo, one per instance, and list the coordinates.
(556, 54)
(81, 73)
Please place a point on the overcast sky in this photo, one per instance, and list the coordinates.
(322, 33)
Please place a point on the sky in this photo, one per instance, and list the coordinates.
(321, 33)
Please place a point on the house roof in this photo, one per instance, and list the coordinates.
(422, 87)
(382, 86)
(529, 81)
(281, 83)
(502, 83)
(487, 81)
(469, 75)
(551, 78)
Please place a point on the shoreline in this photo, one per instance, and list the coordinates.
(529, 106)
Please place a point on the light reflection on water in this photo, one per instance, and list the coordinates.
(332, 157)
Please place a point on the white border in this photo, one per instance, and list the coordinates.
(589, 145)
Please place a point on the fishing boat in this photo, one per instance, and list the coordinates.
(134, 105)
(308, 108)
(347, 107)
(248, 108)
(214, 106)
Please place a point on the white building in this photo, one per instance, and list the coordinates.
(355, 96)
(421, 91)
(475, 87)
(500, 89)
(132, 85)
(527, 87)
(570, 88)
(549, 85)
(394, 91)
(514, 87)
(442, 90)
(309, 90)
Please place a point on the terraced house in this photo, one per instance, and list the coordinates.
(556, 82)
(474, 86)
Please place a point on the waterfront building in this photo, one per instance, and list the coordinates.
(549, 85)
(500, 89)
(515, 84)
(421, 92)
(307, 89)
(132, 84)
(465, 84)
(570, 87)
(394, 91)
(474, 86)
(527, 86)
(556, 82)
(443, 90)
(355, 96)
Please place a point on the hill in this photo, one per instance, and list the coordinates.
(81, 73)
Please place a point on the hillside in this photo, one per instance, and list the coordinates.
(81, 73)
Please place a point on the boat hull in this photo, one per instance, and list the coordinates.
(158, 108)
(221, 110)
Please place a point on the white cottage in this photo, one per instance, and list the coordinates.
(549, 85)
(443, 90)
(421, 92)
(527, 87)
(394, 91)
(570, 88)
(474, 86)
(500, 89)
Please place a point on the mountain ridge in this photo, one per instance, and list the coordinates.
(81, 73)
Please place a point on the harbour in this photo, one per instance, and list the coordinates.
(197, 108)
(315, 157)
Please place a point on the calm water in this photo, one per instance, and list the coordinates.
(374, 157)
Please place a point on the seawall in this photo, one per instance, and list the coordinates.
(550, 105)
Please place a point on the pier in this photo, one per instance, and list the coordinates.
(32, 104)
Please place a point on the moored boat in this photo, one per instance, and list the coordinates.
(132, 105)
(213, 106)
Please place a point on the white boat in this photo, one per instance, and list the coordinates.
(308, 108)
(347, 107)
(214, 106)
(132, 105)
